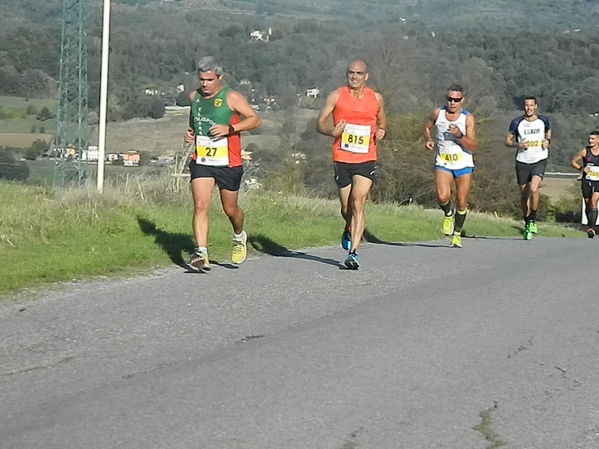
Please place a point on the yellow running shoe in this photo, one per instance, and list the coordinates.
(448, 223)
(240, 250)
(199, 260)
(456, 241)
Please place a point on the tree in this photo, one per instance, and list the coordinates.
(156, 107)
(37, 148)
(44, 114)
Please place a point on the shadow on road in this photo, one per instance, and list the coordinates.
(174, 245)
(265, 245)
(371, 238)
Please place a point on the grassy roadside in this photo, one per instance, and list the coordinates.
(50, 235)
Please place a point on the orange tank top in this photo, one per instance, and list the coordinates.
(357, 144)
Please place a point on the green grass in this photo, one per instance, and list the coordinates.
(26, 124)
(20, 102)
(49, 235)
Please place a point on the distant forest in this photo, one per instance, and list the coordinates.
(500, 50)
(546, 48)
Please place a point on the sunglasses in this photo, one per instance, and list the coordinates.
(454, 100)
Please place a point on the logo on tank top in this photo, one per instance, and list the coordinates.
(218, 102)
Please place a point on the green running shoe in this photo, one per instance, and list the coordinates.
(533, 227)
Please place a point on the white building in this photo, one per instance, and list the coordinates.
(313, 93)
(91, 154)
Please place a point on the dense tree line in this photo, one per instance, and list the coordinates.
(500, 50)
(305, 52)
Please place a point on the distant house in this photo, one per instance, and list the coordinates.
(258, 35)
(92, 154)
(131, 159)
(152, 92)
(313, 93)
(244, 82)
(180, 88)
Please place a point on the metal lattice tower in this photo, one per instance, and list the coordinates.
(72, 133)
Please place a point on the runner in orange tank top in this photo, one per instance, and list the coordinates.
(358, 121)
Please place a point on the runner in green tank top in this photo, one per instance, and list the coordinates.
(217, 116)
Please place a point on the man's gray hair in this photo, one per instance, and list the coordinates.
(210, 64)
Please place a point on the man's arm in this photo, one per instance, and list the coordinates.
(429, 143)
(509, 141)
(468, 140)
(323, 124)
(381, 119)
(188, 136)
(576, 162)
(547, 140)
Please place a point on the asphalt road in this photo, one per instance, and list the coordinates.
(424, 347)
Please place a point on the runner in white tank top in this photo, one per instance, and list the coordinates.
(454, 142)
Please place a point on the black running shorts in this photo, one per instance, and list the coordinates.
(525, 172)
(588, 188)
(227, 178)
(344, 172)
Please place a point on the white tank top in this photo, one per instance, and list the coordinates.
(450, 153)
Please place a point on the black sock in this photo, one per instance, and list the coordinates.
(592, 217)
(460, 218)
(446, 208)
(532, 216)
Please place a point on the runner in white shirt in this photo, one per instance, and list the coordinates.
(531, 135)
(454, 141)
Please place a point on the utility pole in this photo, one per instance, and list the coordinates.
(72, 132)
(103, 95)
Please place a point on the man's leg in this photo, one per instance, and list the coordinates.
(346, 211)
(463, 183)
(535, 183)
(236, 217)
(524, 203)
(201, 191)
(443, 182)
(591, 207)
(357, 200)
(235, 214)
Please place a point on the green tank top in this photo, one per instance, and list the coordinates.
(208, 112)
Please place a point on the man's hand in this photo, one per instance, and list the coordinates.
(545, 143)
(455, 131)
(189, 136)
(338, 129)
(429, 145)
(380, 133)
(219, 130)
